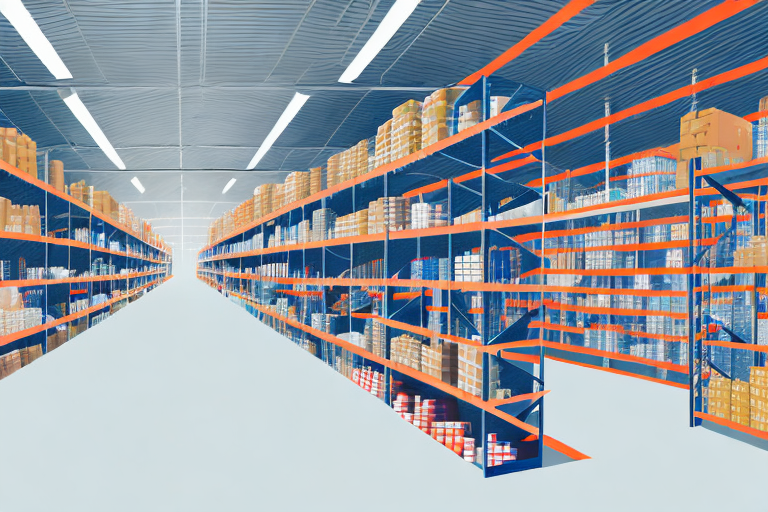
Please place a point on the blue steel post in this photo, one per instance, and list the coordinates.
(694, 294)
(483, 247)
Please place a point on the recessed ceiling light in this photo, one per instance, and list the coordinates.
(228, 185)
(398, 13)
(137, 184)
(285, 118)
(77, 107)
(25, 25)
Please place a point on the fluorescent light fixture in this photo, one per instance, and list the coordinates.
(228, 185)
(25, 25)
(286, 117)
(77, 107)
(137, 184)
(394, 19)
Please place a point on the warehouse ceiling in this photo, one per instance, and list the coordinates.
(196, 85)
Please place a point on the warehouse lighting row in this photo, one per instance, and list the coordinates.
(28, 29)
(394, 19)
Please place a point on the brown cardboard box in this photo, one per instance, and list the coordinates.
(56, 174)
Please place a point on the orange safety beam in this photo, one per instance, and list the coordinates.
(673, 36)
(731, 424)
(756, 116)
(619, 357)
(405, 295)
(523, 358)
(737, 346)
(498, 169)
(426, 189)
(437, 309)
(564, 449)
(570, 10)
(730, 167)
(605, 227)
(613, 311)
(619, 372)
(600, 166)
(519, 398)
(556, 327)
(659, 101)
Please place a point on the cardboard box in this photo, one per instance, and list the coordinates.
(718, 137)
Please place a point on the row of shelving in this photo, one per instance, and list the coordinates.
(64, 267)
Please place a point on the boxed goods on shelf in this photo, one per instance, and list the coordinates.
(437, 115)
(468, 267)
(389, 214)
(8, 145)
(262, 200)
(296, 186)
(499, 452)
(56, 174)
(432, 417)
(19, 218)
(470, 114)
(470, 376)
(651, 175)
(740, 402)
(405, 349)
(383, 152)
(406, 129)
(758, 386)
(323, 221)
(349, 164)
(428, 215)
(719, 397)
(26, 155)
(353, 224)
(315, 180)
(718, 137)
(473, 216)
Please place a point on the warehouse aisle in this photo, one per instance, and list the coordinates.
(185, 402)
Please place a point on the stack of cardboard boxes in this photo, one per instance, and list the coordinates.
(383, 153)
(440, 360)
(718, 137)
(349, 164)
(758, 398)
(56, 174)
(323, 221)
(754, 255)
(719, 397)
(405, 349)
(351, 225)
(315, 180)
(437, 117)
(470, 114)
(18, 150)
(389, 214)
(406, 129)
(262, 200)
(470, 376)
(296, 186)
(19, 218)
(740, 402)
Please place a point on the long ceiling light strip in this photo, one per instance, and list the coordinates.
(25, 25)
(137, 184)
(228, 185)
(77, 107)
(285, 119)
(394, 19)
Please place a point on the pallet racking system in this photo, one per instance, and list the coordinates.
(604, 250)
(53, 286)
